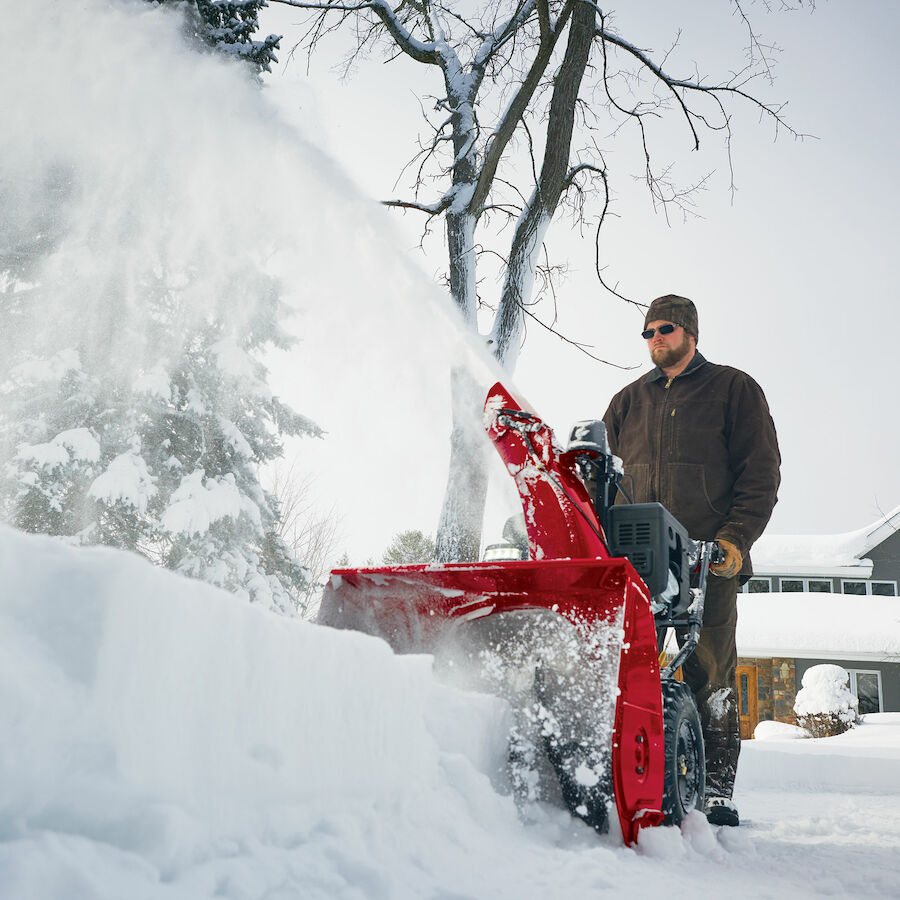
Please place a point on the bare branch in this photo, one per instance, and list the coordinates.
(583, 348)
(676, 85)
(418, 50)
(583, 167)
(600, 278)
(515, 111)
(432, 209)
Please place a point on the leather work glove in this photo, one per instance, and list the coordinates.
(732, 560)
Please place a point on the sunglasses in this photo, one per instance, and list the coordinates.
(668, 328)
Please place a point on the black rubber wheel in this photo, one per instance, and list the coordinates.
(685, 772)
(587, 803)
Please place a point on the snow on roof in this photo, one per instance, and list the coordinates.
(826, 554)
(819, 626)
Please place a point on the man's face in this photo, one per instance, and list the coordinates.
(668, 349)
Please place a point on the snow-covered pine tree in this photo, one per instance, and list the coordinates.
(228, 26)
(134, 408)
(408, 548)
(160, 458)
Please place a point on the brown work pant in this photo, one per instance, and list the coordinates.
(710, 673)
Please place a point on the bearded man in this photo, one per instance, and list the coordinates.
(698, 438)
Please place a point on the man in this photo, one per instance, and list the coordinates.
(698, 438)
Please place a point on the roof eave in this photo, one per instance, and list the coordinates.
(807, 653)
(861, 569)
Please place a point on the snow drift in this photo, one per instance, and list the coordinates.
(161, 739)
(168, 720)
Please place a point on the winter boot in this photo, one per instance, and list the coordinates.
(721, 811)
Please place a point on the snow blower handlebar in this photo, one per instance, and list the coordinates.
(706, 553)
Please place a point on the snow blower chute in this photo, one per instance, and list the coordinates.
(567, 632)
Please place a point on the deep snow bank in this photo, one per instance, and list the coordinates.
(164, 718)
(160, 740)
(863, 760)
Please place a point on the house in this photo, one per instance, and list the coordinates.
(816, 599)
(863, 562)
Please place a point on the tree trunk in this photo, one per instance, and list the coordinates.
(462, 513)
(541, 207)
(460, 527)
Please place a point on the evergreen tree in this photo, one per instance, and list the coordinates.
(134, 406)
(409, 548)
(228, 26)
(160, 458)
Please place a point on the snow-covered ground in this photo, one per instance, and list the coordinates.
(159, 739)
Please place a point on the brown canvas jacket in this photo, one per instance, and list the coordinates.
(704, 445)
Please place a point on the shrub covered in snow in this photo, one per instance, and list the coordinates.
(824, 705)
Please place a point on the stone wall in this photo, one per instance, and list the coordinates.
(784, 689)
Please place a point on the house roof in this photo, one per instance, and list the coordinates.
(819, 626)
(823, 554)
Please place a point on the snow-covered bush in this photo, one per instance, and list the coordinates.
(824, 705)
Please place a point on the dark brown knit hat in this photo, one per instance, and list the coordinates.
(673, 308)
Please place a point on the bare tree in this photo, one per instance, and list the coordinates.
(310, 531)
(547, 82)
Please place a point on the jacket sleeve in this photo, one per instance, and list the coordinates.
(755, 460)
(611, 421)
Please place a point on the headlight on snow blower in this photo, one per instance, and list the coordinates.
(501, 553)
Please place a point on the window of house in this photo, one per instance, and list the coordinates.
(867, 687)
(878, 588)
(811, 585)
(853, 587)
(759, 586)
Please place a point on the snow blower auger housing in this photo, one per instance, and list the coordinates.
(568, 635)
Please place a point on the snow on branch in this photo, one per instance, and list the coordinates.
(432, 209)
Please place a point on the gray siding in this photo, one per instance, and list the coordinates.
(886, 559)
(890, 676)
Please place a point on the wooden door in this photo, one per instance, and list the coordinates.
(747, 700)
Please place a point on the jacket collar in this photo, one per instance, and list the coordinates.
(657, 374)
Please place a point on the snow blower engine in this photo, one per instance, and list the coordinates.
(564, 621)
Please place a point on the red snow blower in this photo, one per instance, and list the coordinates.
(566, 628)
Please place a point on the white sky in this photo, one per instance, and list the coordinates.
(794, 281)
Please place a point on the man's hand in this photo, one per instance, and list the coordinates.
(732, 560)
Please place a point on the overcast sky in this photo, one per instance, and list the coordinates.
(793, 276)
